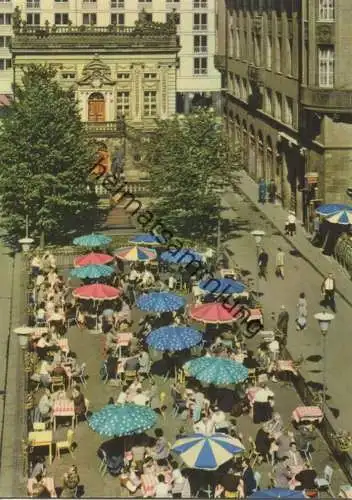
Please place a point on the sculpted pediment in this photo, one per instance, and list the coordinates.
(96, 74)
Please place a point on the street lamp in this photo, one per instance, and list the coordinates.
(23, 333)
(258, 236)
(26, 242)
(324, 319)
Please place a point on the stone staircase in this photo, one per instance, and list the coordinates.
(118, 217)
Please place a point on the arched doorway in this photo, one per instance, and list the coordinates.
(238, 131)
(269, 161)
(96, 107)
(251, 153)
(260, 158)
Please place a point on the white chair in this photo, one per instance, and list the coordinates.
(258, 479)
(81, 374)
(306, 451)
(104, 463)
(324, 483)
(65, 445)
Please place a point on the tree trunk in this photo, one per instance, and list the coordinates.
(42, 239)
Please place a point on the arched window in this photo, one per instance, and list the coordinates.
(245, 144)
(269, 160)
(237, 130)
(96, 107)
(251, 152)
(260, 156)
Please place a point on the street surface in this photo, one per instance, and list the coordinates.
(300, 277)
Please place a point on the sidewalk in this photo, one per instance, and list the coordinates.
(322, 264)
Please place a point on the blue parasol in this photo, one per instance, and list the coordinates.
(160, 302)
(93, 271)
(336, 213)
(199, 451)
(274, 493)
(92, 240)
(223, 286)
(173, 338)
(184, 256)
(122, 420)
(214, 370)
(147, 239)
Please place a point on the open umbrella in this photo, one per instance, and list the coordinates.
(173, 338)
(336, 213)
(97, 291)
(217, 371)
(223, 286)
(184, 256)
(92, 259)
(147, 239)
(199, 451)
(212, 313)
(92, 271)
(122, 420)
(160, 302)
(136, 254)
(92, 240)
(273, 493)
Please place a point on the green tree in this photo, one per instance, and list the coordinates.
(45, 156)
(191, 161)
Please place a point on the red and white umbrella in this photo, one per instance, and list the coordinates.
(97, 291)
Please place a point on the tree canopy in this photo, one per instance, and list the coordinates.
(191, 161)
(45, 156)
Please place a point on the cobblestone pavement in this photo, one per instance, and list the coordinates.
(300, 277)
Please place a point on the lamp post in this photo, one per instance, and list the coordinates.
(324, 319)
(258, 236)
(26, 242)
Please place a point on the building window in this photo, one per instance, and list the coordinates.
(289, 49)
(278, 106)
(144, 1)
(33, 4)
(89, 1)
(89, 18)
(172, 1)
(244, 90)
(33, 19)
(200, 44)
(61, 18)
(326, 10)
(5, 64)
(268, 52)
(68, 75)
(200, 65)
(148, 17)
(200, 22)
(230, 80)
(5, 18)
(237, 44)
(117, 4)
(268, 103)
(61, 1)
(170, 16)
(278, 54)
(245, 45)
(123, 103)
(149, 103)
(150, 76)
(118, 19)
(200, 4)
(288, 111)
(257, 50)
(237, 86)
(123, 76)
(326, 57)
(5, 41)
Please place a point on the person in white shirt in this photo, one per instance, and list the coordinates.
(44, 372)
(140, 399)
(44, 406)
(328, 292)
(147, 279)
(36, 265)
(50, 306)
(218, 417)
(204, 426)
(172, 283)
(39, 279)
(291, 224)
(40, 315)
(162, 490)
(122, 397)
(134, 275)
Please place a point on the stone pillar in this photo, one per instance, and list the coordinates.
(137, 91)
(163, 97)
(286, 188)
(186, 103)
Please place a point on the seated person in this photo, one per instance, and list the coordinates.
(144, 362)
(122, 397)
(110, 340)
(140, 398)
(39, 467)
(294, 457)
(250, 362)
(282, 473)
(59, 371)
(43, 346)
(70, 483)
(111, 364)
(161, 447)
(263, 442)
(283, 442)
(79, 401)
(44, 408)
(219, 419)
(131, 480)
(249, 482)
(45, 372)
(40, 315)
(132, 363)
(162, 489)
(307, 478)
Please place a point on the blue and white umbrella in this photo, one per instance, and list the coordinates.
(184, 256)
(92, 271)
(147, 239)
(336, 213)
(160, 302)
(92, 240)
(173, 338)
(199, 451)
(222, 286)
(274, 493)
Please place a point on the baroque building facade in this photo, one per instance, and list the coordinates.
(287, 94)
(124, 78)
(197, 80)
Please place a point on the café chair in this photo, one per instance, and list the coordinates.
(324, 483)
(57, 383)
(65, 445)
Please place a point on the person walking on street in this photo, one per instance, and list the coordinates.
(290, 226)
(328, 291)
(316, 230)
(282, 325)
(263, 263)
(302, 313)
(272, 191)
(262, 191)
(280, 263)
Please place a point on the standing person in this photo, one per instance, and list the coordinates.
(70, 483)
(282, 324)
(172, 283)
(280, 263)
(272, 189)
(263, 258)
(290, 225)
(328, 291)
(262, 191)
(316, 229)
(302, 313)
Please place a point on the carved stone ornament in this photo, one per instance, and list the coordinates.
(96, 74)
(324, 33)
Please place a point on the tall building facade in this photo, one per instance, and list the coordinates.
(197, 80)
(287, 94)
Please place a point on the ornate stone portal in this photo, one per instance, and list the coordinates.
(96, 74)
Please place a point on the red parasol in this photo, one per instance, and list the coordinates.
(92, 259)
(214, 312)
(97, 291)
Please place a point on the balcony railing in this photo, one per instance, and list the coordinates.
(200, 50)
(103, 128)
(86, 4)
(117, 4)
(339, 101)
(33, 4)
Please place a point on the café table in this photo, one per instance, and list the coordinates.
(63, 408)
(251, 393)
(286, 365)
(345, 491)
(48, 482)
(38, 439)
(307, 414)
